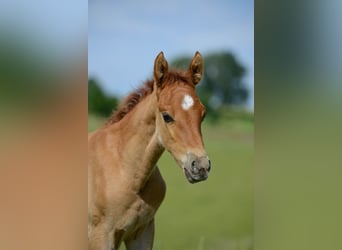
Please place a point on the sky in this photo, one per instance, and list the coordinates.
(124, 37)
(56, 28)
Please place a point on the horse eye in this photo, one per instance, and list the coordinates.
(167, 117)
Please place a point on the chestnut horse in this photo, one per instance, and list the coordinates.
(125, 187)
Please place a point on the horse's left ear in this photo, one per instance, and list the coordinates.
(196, 68)
(160, 68)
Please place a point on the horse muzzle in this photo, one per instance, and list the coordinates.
(196, 168)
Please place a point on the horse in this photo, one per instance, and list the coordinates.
(125, 187)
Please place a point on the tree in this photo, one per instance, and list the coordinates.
(98, 102)
(222, 80)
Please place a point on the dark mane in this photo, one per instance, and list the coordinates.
(147, 88)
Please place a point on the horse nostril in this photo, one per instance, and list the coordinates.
(209, 167)
(194, 167)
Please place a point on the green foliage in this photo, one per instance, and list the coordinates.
(223, 79)
(28, 76)
(98, 102)
(221, 84)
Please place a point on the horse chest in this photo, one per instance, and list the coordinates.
(142, 208)
(135, 216)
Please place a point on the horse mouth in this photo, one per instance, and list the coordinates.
(193, 178)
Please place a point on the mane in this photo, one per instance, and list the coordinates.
(132, 100)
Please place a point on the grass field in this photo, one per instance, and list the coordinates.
(215, 214)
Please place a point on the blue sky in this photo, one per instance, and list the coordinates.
(124, 37)
(56, 28)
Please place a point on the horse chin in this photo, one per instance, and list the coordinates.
(192, 179)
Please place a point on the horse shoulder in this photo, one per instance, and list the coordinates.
(103, 173)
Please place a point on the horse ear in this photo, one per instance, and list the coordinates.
(160, 68)
(196, 68)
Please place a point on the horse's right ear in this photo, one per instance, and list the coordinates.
(196, 68)
(160, 69)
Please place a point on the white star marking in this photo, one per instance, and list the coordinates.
(187, 102)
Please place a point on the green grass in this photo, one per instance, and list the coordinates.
(217, 213)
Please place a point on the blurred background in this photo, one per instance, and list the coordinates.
(124, 37)
(43, 124)
(44, 120)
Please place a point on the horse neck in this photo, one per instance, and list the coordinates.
(140, 148)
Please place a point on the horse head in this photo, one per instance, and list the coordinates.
(179, 116)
